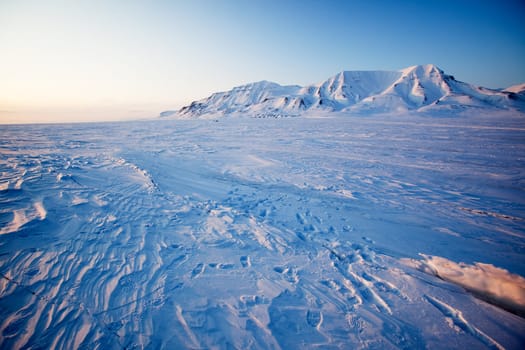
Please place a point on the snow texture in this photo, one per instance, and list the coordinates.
(246, 233)
(424, 88)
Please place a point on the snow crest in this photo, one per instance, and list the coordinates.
(488, 282)
(23, 216)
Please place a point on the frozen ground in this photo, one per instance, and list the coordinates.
(335, 232)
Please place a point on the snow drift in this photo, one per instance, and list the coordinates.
(492, 284)
(423, 88)
(517, 89)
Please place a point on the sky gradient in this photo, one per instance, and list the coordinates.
(113, 60)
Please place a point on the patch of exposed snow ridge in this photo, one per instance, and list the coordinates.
(422, 88)
(490, 283)
(516, 89)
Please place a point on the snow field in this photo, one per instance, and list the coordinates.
(262, 234)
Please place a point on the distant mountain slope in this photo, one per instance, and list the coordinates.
(417, 88)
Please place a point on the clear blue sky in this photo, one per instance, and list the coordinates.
(106, 60)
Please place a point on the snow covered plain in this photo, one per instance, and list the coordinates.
(332, 231)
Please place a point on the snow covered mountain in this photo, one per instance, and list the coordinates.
(417, 88)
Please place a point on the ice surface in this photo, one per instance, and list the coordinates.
(264, 233)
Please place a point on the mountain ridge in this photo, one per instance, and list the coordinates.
(419, 88)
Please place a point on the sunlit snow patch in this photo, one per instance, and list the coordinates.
(492, 284)
(24, 216)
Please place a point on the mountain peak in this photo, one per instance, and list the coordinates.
(426, 68)
(261, 83)
(416, 88)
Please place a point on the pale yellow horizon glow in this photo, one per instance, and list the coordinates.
(97, 60)
(78, 114)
